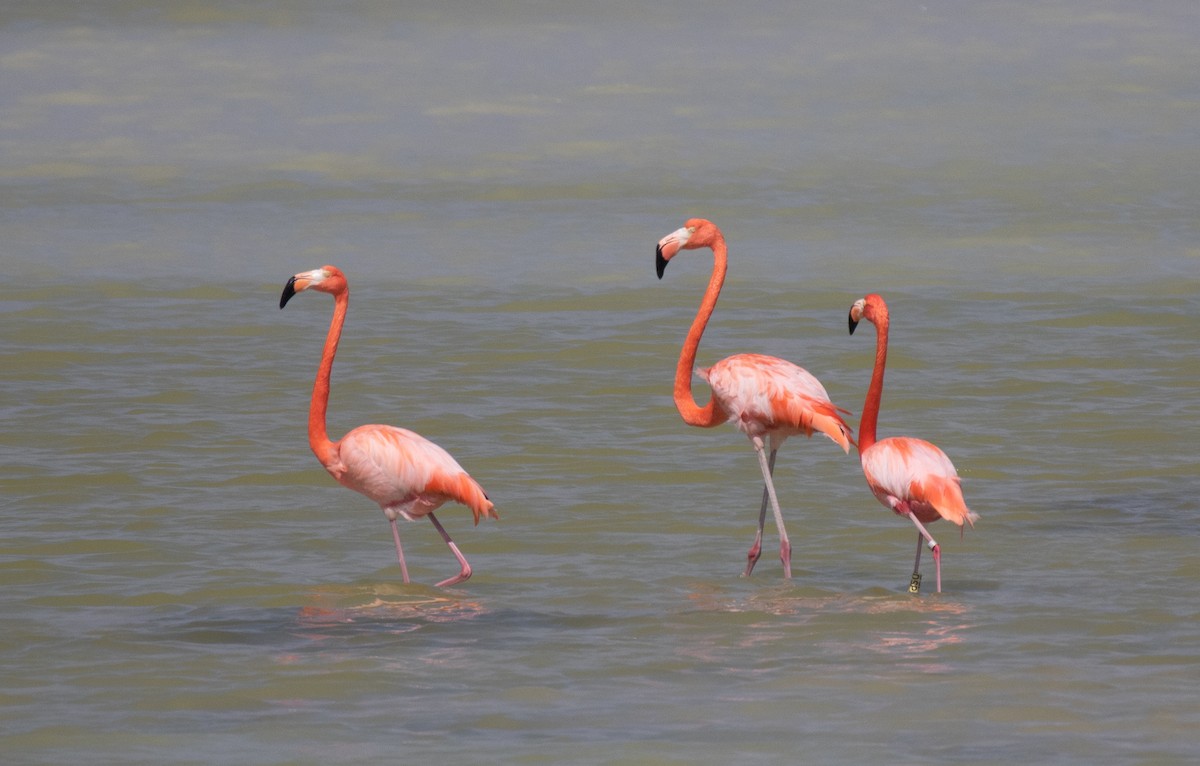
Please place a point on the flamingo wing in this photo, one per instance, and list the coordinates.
(903, 471)
(405, 473)
(765, 394)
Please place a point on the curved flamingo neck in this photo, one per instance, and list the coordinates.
(870, 413)
(693, 414)
(318, 436)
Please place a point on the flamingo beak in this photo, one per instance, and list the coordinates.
(668, 246)
(301, 282)
(856, 313)
(288, 291)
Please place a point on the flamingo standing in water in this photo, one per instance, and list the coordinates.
(766, 398)
(911, 476)
(408, 475)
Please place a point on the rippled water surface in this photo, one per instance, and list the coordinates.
(182, 583)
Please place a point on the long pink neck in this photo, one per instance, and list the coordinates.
(870, 413)
(318, 436)
(693, 414)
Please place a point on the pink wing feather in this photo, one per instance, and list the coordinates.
(767, 395)
(405, 473)
(913, 472)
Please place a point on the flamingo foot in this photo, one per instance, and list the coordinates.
(785, 555)
(462, 560)
(465, 574)
(461, 576)
(753, 556)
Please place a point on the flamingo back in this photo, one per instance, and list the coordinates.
(765, 395)
(405, 473)
(909, 472)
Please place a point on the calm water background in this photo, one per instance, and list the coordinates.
(181, 583)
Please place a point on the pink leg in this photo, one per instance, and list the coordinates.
(933, 546)
(937, 562)
(462, 560)
(785, 545)
(756, 549)
(399, 550)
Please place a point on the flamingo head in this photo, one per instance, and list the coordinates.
(697, 232)
(327, 279)
(870, 307)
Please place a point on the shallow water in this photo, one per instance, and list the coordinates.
(182, 583)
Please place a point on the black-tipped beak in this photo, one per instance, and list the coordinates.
(288, 291)
(660, 263)
(853, 323)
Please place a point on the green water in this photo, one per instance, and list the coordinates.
(182, 583)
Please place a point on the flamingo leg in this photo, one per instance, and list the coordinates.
(756, 549)
(785, 545)
(462, 560)
(914, 585)
(937, 562)
(399, 550)
(933, 546)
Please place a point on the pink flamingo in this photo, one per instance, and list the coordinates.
(408, 475)
(766, 398)
(911, 476)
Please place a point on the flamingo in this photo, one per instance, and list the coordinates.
(911, 476)
(766, 398)
(405, 473)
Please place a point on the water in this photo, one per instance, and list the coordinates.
(183, 584)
